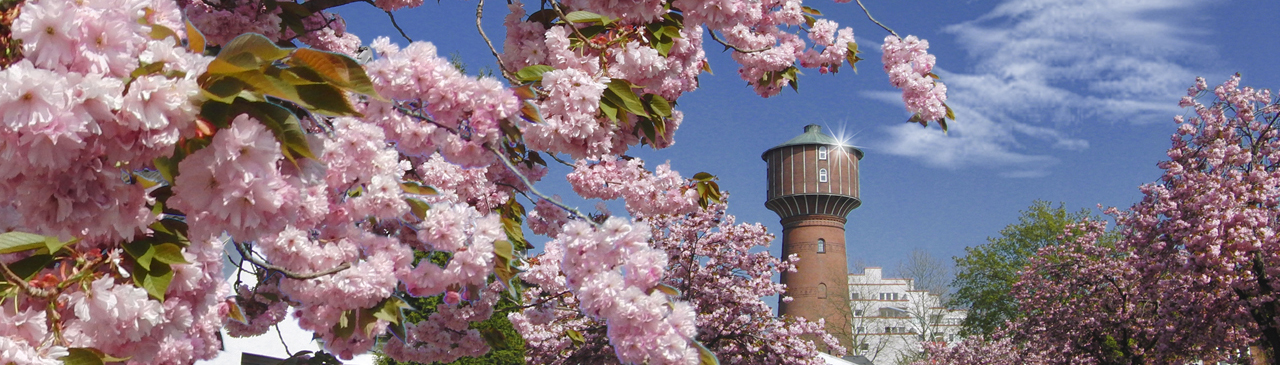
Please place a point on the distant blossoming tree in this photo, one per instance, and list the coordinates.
(1193, 275)
(142, 139)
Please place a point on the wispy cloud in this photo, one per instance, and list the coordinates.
(1039, 66)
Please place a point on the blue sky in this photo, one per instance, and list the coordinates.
(1066, 101)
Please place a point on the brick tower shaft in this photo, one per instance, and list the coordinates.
(813, 185)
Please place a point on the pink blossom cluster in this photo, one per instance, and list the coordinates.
(222, 20)
(68, 123)
(235, 184)
(612, 272)
(462, 114)
(662, 191)
(910, 68)
(22, 333)
(262, 308)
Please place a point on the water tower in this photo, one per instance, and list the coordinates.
(813, 185)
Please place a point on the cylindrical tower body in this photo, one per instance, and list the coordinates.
(813, 185)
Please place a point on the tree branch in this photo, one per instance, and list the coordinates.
(501, 66)
(393, 21)
(10, 276)
(868, 12)
(289, 274)
(733, 47)
(315, 6)
(512, 167)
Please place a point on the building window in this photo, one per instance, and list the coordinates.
(888, 296)
(822, 246)
(862, 330)
(857, 313)
(822, 175)
(822, 152)
(822, 291)
(864, 346)
(854, 295)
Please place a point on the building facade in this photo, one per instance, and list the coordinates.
(892, 319)
(813, 185)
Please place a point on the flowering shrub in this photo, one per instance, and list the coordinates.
(138, 146)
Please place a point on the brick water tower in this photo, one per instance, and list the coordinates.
(813, 185)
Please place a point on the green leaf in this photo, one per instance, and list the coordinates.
(338, 69)
(11, 242)
(167, 166)
(647, 127)
(235, 313)
(326, 99)
(156, 279)
(294, 8)
(530, 111)
(705, 356)
(397, 329)
(269, 83)
(581, 16)
(621, 89)
(88, 356)
(668, 290)
(195, 39)
(494, 337)
(27, 268)
(812, 11)
(221, 88)
(703, 176)
(346, 325)
(575, 336)
(658, 104)
(391, 309)
(418, 207)
(147, 69)
(54, 244)
(169, 253)
(248, 51)
(532, 73)
(285, 126)
(414, 187)
(609, 109)
(852, 56)
(513, 229)
(160, 32)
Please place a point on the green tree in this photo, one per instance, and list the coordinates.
(986, 274)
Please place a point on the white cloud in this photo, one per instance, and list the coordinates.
(1042, 65)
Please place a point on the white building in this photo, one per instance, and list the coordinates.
(891, 319)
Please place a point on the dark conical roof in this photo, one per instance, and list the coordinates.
(813, 135)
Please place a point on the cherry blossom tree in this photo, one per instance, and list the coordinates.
(1212, 218)
(1192, 276)
(141, 140)
(710, 265)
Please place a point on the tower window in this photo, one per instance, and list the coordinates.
(822, 152)
(822, 291)
(822, 245)
(822, 175)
